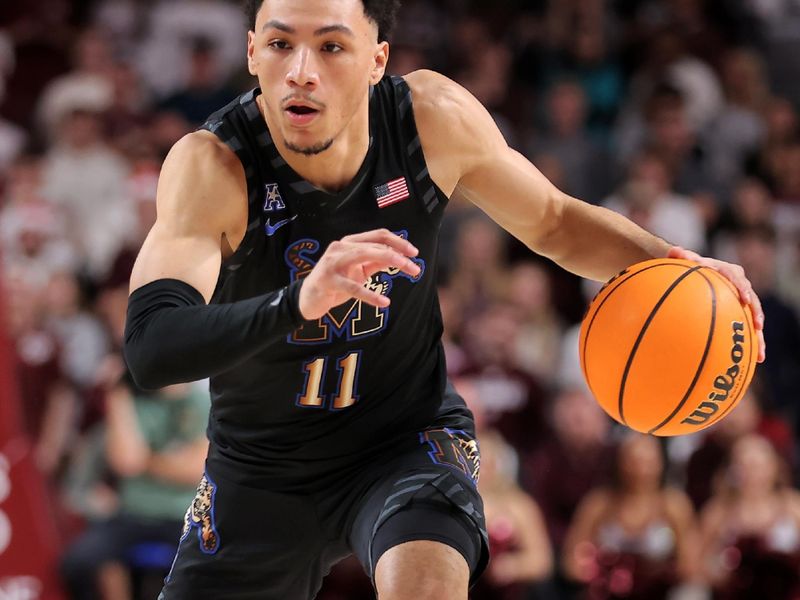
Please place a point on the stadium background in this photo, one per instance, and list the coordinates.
(682, 114)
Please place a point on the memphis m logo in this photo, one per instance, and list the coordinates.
(353, 319)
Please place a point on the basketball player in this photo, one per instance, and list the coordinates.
(293, 262)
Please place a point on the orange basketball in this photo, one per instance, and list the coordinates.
(667, 348)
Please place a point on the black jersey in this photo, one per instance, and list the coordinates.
(340, 388)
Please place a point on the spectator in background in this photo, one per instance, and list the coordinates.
(48, 402)
(751, 205)
(739, 128)
(12, 137)
(636, 539)
(668, 62)
(705, 469)
(478, 271)
(756, 252)
(87, 87)
(512, 401)
(586, 170)
(98, 208)
(782, 130)
(156, 446)
(79, 333)
(538, 337)
(451, 307)
(521, 553)
(586, 59)
(785, 172)
(577, 459)
(485, 70)
(32, 231)
(164, 53)
(42, 35)
(205, 90)
(647, 199)
(669, 135)
(751, 528)
(130, 109)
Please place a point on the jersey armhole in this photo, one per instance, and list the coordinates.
(433, 198)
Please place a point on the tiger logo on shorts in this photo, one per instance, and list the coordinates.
(455, 448)
(200, 514)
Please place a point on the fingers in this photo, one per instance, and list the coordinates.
(683, 253)
(762, 346)
(385, 237)
(359, 292)
(374, 258)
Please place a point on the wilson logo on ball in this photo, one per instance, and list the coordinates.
(667, 347)
(723, 384)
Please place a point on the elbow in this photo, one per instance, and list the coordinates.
(147, 369)
(549, 238)
(145, 376)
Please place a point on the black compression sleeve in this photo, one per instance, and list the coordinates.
(172, 336)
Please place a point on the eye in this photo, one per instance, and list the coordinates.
(279, 45)
(332, 47)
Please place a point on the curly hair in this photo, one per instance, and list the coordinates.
(382, 12)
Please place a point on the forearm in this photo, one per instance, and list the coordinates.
(597, 243)
(172, 336)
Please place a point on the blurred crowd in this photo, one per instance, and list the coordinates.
(684, 115)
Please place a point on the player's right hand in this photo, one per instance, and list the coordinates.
(347, 264)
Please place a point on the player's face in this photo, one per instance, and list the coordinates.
(315, 61)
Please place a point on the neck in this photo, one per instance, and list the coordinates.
(337, 166)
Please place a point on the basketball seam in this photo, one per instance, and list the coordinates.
(597, 311)
(702, 360)
(640, 337)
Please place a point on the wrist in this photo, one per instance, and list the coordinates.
(294, 300)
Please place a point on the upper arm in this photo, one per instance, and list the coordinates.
(202, 198)
(468, 156)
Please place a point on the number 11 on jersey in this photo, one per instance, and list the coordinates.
(345, 396)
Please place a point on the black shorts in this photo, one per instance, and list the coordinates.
(242, 542)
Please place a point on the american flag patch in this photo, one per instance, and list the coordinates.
(392, 192)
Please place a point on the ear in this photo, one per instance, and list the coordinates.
(381, 58)
(251, 49)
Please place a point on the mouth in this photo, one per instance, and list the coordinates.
(300, 113)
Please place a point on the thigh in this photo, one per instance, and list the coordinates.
(241, 542)
(429, 493)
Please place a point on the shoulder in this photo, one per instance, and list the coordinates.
(440, 104)
(201, 149)
(432, 89)
(201, 175)
(455, 129)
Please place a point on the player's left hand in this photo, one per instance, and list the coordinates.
(737, 277)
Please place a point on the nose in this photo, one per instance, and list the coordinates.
(303, 72)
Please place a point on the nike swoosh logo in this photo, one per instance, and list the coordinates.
(271, 229)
